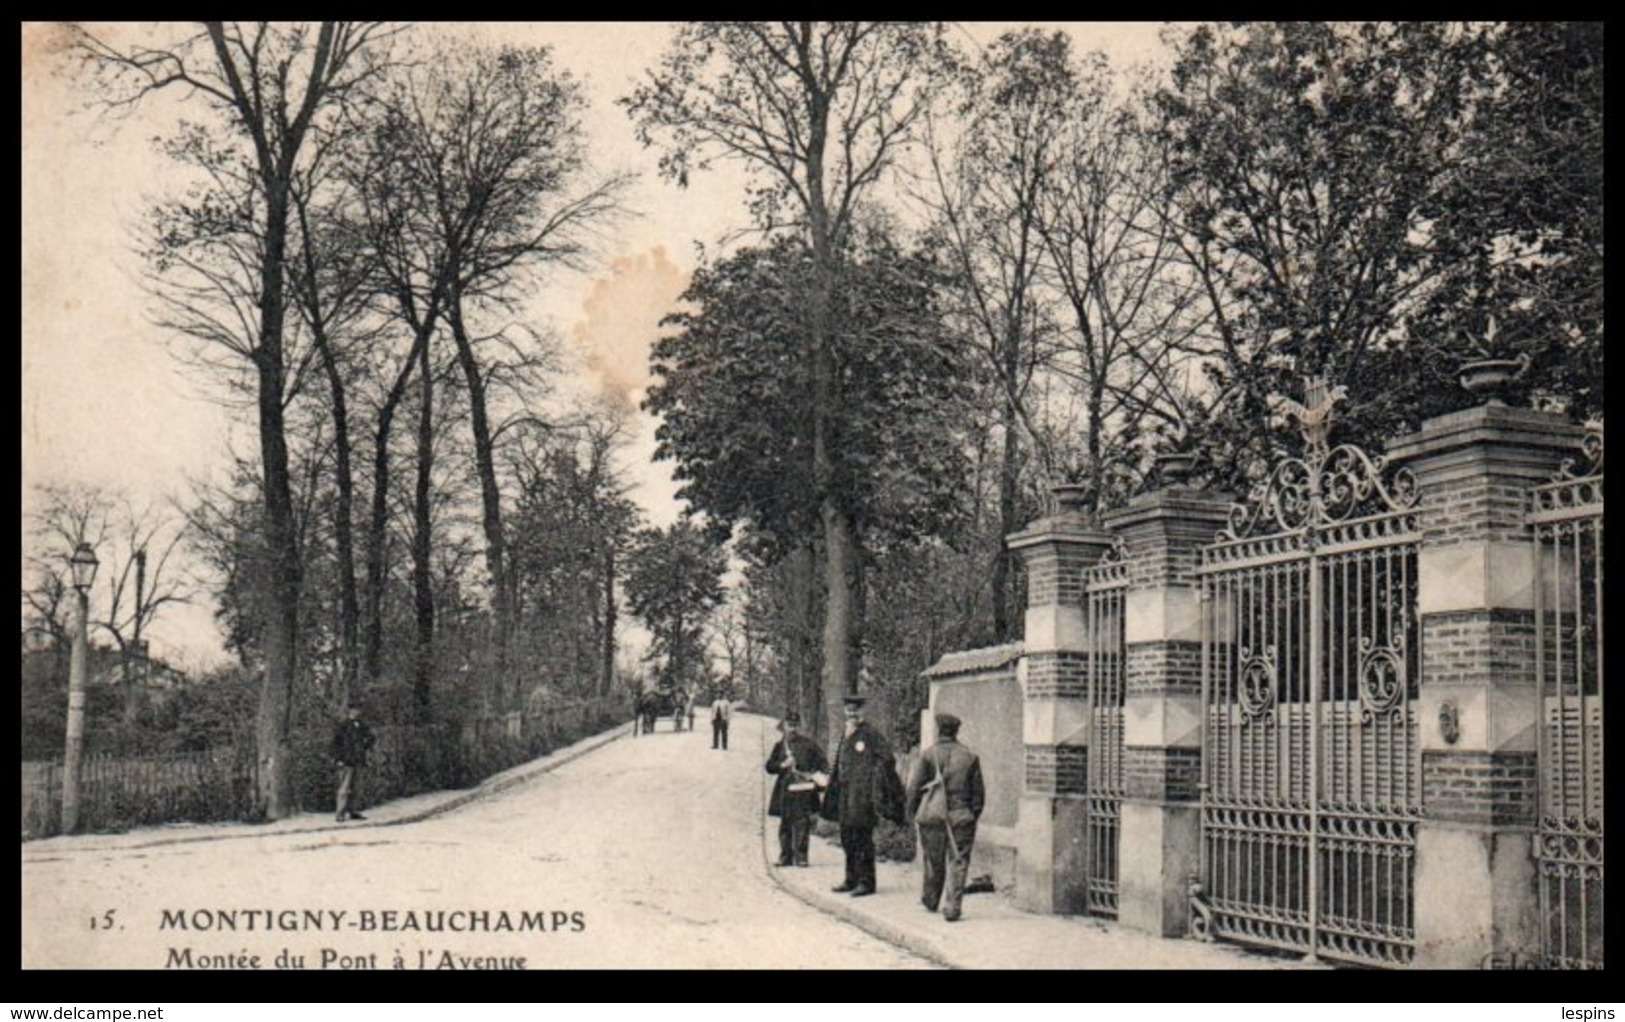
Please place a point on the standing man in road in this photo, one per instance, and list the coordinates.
(351, 742)
(796, 760)
(721, 708)
(863, 788)
(946, 844)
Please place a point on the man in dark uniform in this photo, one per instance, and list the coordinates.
(946, 846)
(795, 759)
(863, 787)
(351, 741)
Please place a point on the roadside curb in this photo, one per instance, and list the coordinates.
(546, 764)
(877, 928)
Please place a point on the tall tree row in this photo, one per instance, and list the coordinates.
(360, 220)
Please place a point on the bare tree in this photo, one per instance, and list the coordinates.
(992, 159)
(136, 547)
(1135, 313)
(261, 87)
(499, 135)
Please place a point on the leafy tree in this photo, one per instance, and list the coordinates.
(818, 111)
(571, 530)
(1526, 212)
(673, 582)
(1309, 166)
(733, 395)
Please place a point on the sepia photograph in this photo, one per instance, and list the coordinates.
(543, 496)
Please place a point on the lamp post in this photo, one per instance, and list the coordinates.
(84, 564)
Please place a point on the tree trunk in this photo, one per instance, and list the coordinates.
(838, 677)
(607, 681)
(422, 576)
(343, 524)
(131, 693)
(1009, 469)
(490, 496)
(808, 695)
(282, 577)
(372, 633)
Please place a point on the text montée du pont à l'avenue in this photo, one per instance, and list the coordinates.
(288, 920)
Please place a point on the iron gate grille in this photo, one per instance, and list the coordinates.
(1310, 756)
(1567, 521)
(1105, 586)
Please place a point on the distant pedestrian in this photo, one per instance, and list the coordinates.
(799, 764)
(946, 844)
(863, 789)
(352, 740)
(721, 709)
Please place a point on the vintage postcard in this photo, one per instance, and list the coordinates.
(574, 495)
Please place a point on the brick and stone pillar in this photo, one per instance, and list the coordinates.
(1055, 708)
(1475, 879)
(1160, 850)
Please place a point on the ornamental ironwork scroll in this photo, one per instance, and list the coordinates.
(1589, 461)
(1382, 678)
(1257, 686)
(1328, 484)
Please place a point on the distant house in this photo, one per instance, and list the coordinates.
(148, 672)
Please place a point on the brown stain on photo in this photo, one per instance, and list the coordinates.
(623, 312)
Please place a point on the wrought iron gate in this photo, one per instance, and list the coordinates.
(1105, 586)
(1311, 766)
(1566, 516)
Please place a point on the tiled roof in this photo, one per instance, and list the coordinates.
(971, 661)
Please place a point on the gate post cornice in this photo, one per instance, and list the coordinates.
(1162, 533)
(1057, 552)
(1476, 895)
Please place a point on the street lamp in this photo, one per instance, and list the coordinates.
(83, 564)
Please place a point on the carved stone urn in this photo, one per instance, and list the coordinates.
(1071, 498)
(1175, 467)
(1489, 378)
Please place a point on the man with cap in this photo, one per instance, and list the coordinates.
(796, 759)
(863, 787)
(721, 710)
(946, 846)
(351, 741)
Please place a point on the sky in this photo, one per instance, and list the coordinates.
(106, 402)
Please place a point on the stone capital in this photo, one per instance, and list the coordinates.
(1173, 511)
(1065, 529)
(1490, 439)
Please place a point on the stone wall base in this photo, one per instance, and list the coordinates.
(1475, 896)
(1160, 852)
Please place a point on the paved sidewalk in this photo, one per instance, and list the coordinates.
(993, 933)
(386, 814)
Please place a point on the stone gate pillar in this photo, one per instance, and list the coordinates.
(1055, 708)
(1161, 827)
(1477, 710)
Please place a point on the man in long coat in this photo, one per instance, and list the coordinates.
(946, 846)
(863, 789)
(351, 741)
(794, 759)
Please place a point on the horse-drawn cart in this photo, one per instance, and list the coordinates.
(658, 703)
